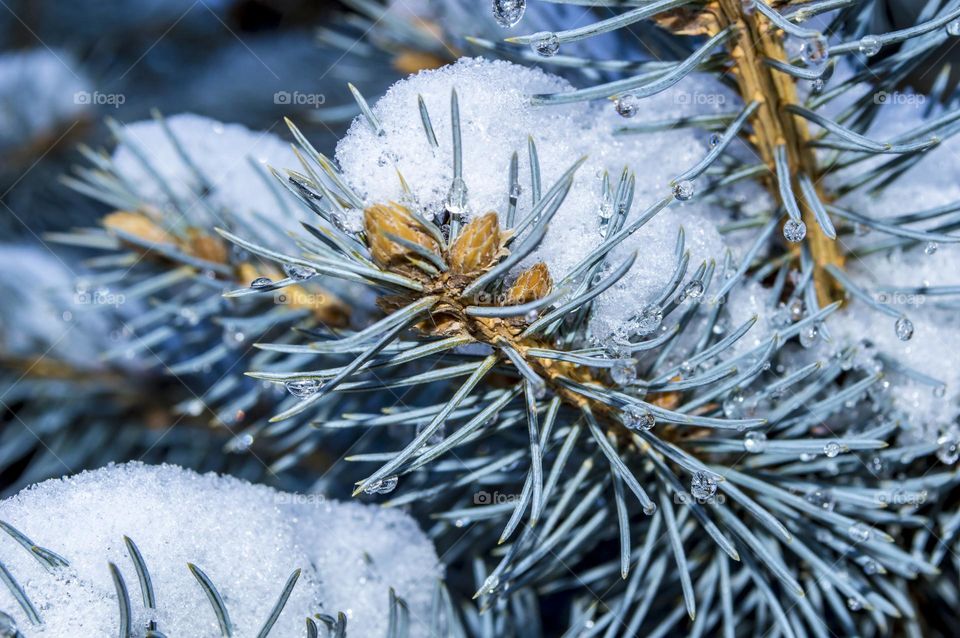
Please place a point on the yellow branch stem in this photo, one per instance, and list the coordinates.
(773, 125)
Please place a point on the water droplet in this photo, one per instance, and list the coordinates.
(693, 289)
(869, 45)
(930, 248)
(457, 197)
(303, 388)
(627, 105)
(854, 605)
(796, 309)
(233, 337)
(683, 190)
(539, 390)
(940, 391)
(298, 272)
(815, 51)
(809, 336)
(755, 442)
(261, 282)
(715, 140)
(491, 583)
(817, 85)
(545, 44)
(606, 207)
(636, 417)
(532, 316)
(821, 498)
(794, 230)
(859, 532)
(339, 221)
(437, 437)
(194, 407)
(870, 567)
(949, 450)
(733, 405)
(703, 486)
(605, 212)
(831, 449)
(649, 319)
(508, 13)
(624, 371)
(904, 328)
(383, 486)
(649, 509)
(189, 316)
(806, 457)
(953, 28)
(242, 442)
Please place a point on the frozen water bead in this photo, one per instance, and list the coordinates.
(496, 120)
(248, 539)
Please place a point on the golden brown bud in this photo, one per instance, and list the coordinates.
(532, 284)
(206, 247)
(138, 225)
(324, 305)
(477, 246)
(383, 221)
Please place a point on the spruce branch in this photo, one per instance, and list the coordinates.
(618, 451)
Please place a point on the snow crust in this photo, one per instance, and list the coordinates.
(248, 539)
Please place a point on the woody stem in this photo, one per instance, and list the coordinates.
(773, 126)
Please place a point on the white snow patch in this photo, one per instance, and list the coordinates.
(936, 337)
(247, 538)
(40, 92)
(232, 161)
(933, 182)
(744, 302)
(42, 315)
(496, 120)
